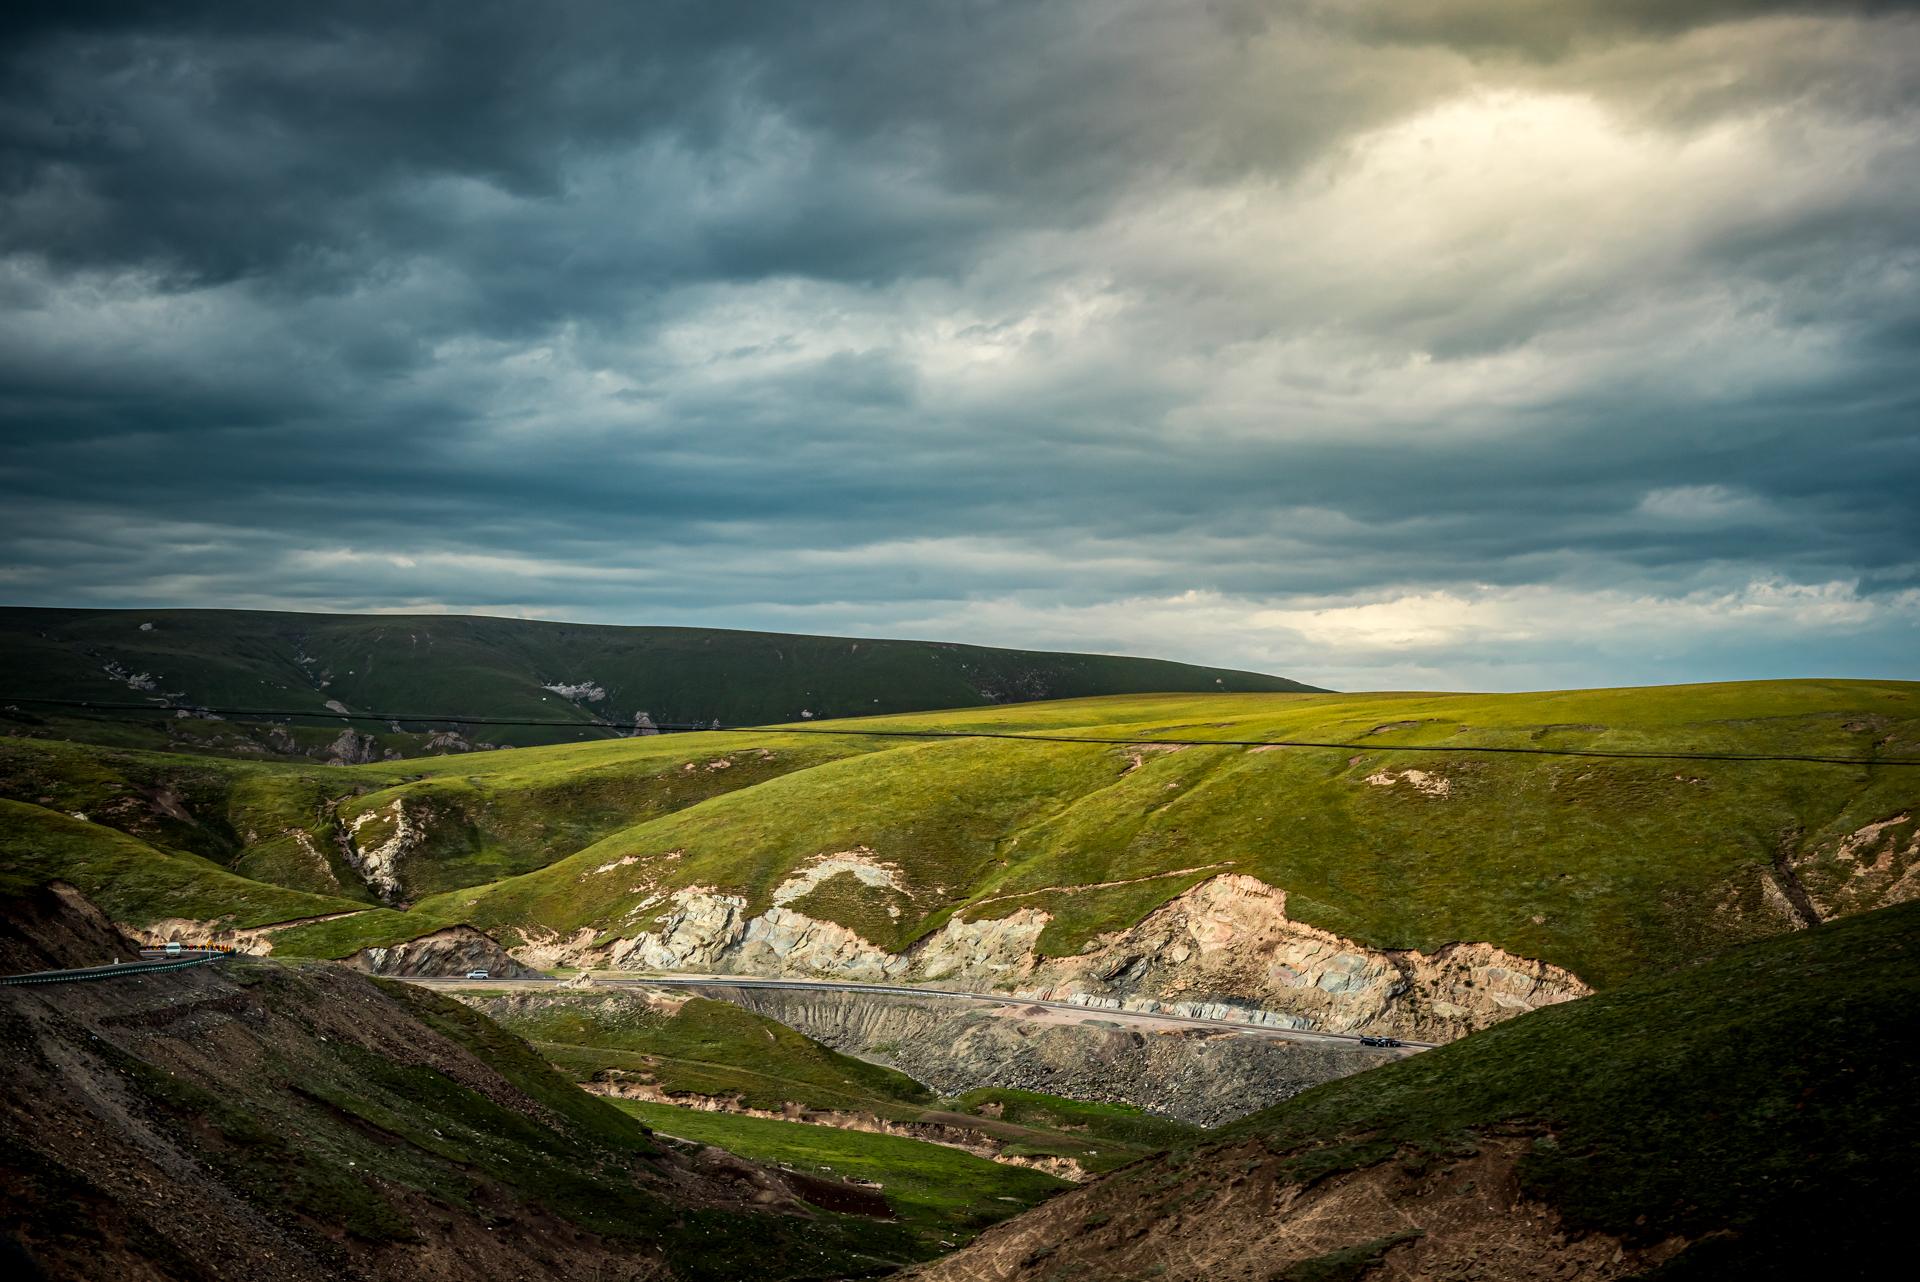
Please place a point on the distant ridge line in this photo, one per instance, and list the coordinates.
(709, 727)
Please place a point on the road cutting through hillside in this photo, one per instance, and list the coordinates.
(151, 963)
(1003, 1005)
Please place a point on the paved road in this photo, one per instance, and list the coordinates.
(1151, 1019)
(146, 966)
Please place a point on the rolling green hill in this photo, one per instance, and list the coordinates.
(1611, 868)
(1751, 1117)
(593, 679)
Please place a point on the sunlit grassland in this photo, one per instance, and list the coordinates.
(1610, 867)
(943, 1193)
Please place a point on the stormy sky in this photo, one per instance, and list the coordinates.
(1463, 343)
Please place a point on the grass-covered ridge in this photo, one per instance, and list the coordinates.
(136, 883)
(1608, 867)
(1611, 868)
(452, 665)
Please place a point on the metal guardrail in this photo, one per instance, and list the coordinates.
(108, 972)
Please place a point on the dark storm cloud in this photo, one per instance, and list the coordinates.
(1553, 28)
(1242, 332)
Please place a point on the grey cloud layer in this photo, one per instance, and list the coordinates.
(1044, 324)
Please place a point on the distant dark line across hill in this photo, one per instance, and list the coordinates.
(709, 727)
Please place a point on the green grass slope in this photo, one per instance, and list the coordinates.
(942, 1194)
(704, 1047)
(713, 1050)
(1754, 1113)
(138, 884)
(452, 665)
(482, 815)
(1609, 867)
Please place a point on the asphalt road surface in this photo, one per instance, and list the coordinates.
(146, 966)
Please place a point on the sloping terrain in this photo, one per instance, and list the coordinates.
(1751, 1117)
(293, 1122)
(595, 680)
(1197, 1075)
(668, 1048)
(1182, 863)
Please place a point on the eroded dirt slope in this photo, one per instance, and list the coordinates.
(255, 1120)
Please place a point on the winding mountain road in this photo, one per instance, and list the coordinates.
(145, 966)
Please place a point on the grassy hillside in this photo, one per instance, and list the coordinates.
(486, 815)
(942, 1194)
(451, 665)
(1749, 1117)
(703, 1047)
(700, 1050)
(308, 1123)
(136, 883)
(1609, 867)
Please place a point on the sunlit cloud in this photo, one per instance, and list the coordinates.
(1463, 344)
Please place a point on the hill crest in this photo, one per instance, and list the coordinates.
(346, 674)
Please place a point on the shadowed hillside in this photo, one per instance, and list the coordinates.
(597, 681)
(306, 1122)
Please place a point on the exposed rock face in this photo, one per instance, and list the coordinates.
(996, 952)
(376, 854)
(954, 1047)
(448, 953)
(1872, 867)
(1225, 950)
(351, 748)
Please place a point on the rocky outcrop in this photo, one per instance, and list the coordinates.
(1875, 865)
(452, 952)
(953, 1047)
(375, 841)
(1225, 949)
(351, 748)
